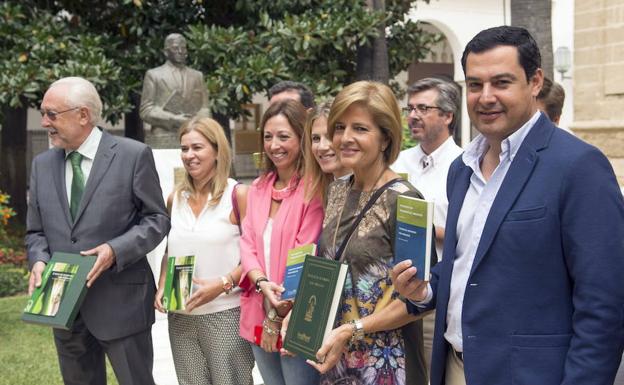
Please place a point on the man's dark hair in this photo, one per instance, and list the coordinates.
(305, 94)
(552, 97)
(449, 99)
(528, 52)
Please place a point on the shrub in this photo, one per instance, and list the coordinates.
(13, 280)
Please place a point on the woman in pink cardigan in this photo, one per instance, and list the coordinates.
(279, 218)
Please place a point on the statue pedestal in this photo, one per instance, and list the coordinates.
(162, 139)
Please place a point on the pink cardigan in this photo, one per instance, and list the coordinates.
(296, 223)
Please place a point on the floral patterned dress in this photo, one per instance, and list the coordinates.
(379, 358)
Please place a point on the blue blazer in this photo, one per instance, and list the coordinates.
(544, 302)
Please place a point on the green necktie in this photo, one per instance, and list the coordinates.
(78, 183)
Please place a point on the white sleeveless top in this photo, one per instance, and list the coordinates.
(214, 241)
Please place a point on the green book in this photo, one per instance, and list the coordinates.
(178, 282)
(314, 312)
(63, 287)
(294, 266)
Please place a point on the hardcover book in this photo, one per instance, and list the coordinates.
(63, 286)
(178, 282)
(314, 312)
(414, 235)
(294, 266)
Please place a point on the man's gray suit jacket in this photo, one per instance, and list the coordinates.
(122, 205)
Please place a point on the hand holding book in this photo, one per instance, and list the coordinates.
(406, 283)
(272, 293)
(206, 290)
(35, 276)
(332, 349)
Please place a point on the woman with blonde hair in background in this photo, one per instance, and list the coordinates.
(373, 329)
(322, 160)
(206, 209)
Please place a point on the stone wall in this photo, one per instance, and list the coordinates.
(599, 77)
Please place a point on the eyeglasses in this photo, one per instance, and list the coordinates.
(422, 108)
(53, 114)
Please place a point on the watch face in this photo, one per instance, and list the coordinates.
(272, 314)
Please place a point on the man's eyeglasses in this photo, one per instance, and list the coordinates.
(53, 114)
(422, 108)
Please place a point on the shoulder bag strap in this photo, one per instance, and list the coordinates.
(356, 222)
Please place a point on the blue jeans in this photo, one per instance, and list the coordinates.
(284, 370)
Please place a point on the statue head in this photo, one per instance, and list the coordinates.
(175, 49)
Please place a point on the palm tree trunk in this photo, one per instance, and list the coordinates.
(372, 58)
(535, 16)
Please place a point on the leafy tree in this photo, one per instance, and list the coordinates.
(243, 47)
(315, 42)
(38, 48)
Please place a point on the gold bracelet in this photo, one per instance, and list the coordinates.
(268, 329)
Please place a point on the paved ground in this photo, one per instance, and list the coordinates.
(164, 371)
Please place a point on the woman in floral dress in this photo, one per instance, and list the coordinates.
(373, 328)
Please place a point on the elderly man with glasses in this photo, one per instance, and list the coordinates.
(97, 194)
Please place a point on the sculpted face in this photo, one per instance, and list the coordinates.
(175, 49)
(68, 126)
(499, 97)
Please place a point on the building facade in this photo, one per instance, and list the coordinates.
(599, 77)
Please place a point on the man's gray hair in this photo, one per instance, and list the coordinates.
(448, 96)
(82, 93)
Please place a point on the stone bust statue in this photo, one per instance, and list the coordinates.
(172, 94)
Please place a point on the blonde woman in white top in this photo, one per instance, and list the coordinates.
(204, 338)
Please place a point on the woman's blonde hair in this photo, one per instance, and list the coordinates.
(212, 131)
(295, 113)
(378, 99)
(316, 180)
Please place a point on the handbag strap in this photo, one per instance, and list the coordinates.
(356, 221)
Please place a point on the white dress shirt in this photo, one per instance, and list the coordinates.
(472, 217)
(428, 174)
(87, 149)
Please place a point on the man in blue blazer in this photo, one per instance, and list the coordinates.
(531, 288)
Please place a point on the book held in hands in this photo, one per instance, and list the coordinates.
(314, 312)
(63, 286)
(294, 266)
(414, 234)
(178, 282)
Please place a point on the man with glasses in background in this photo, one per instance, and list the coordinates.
(432, 116)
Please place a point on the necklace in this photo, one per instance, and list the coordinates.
(281, 194)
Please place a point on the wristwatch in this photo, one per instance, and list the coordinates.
(227, 285)
(358, 330)
(273, 316)
(258, 281)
